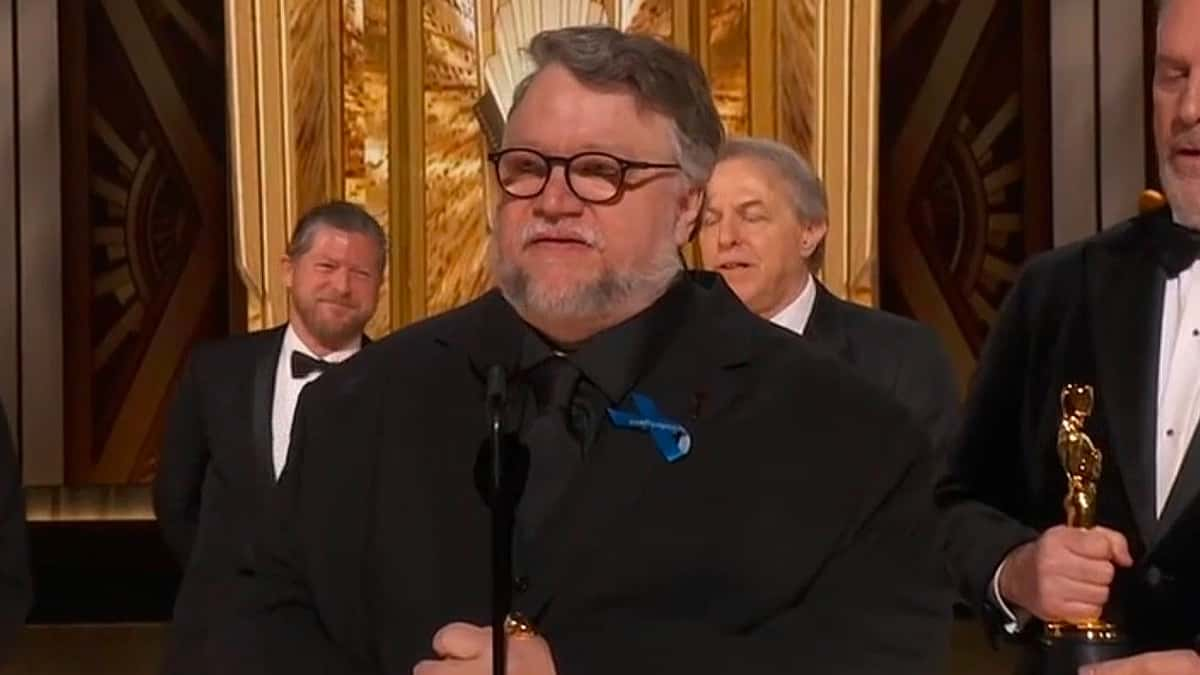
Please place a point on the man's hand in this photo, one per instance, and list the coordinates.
(1064, 575)
(1179, 662)
(465, 649)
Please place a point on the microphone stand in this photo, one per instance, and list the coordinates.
(501, 521)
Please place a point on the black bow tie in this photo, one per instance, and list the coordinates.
(1176, 246)
(304, 365)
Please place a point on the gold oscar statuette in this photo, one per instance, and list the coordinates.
(1067, 645)
(1082, 463)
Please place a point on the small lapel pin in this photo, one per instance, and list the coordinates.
(672, 439)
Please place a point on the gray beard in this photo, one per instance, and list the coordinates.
(1185, 210)
(588, 299)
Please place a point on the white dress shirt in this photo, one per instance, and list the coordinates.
(287, 392)
(1178, 380)
(1178, 411)
(795, 316)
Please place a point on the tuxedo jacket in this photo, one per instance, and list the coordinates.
(797, 535)
(214, 473)
(16, 585)
(1089, 313)
(902, 357)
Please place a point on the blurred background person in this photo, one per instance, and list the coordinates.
(763, 230)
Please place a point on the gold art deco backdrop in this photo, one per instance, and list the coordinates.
(144, 228)
(373, 101)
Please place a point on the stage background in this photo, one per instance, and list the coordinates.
(157, 152)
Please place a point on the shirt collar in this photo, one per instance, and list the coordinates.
(293, 343)
(616, 358)
(795, 316)
(1179, 222)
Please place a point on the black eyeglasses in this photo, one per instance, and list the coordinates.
(595, 177)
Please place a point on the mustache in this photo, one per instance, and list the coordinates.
(531, 232)
(1187, 139)
(340, 301)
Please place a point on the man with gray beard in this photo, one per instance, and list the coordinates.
(699, 492)
(1120, 312)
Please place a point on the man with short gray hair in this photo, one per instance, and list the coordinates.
(659, 460)
(764, 230)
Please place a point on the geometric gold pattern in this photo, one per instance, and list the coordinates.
(143, 269)
(965, 155)
(454, 163)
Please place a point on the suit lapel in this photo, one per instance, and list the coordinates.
(1124, 305)
(262, 405)
(1184, 491)
(685, 386)
(492, 337)
(825, 327)
(495, 340)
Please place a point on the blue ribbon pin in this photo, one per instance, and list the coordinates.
(673, 441)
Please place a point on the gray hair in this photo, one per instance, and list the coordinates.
(665, 79)
(342, 216)
(807, 192)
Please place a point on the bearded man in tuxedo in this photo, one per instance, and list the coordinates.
(227, 435)
(1119, 311)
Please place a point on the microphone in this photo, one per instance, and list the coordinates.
(497, 394)
(497, 385)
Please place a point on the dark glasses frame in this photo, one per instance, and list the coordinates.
(625, 165)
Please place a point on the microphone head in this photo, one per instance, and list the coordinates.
(497, 383)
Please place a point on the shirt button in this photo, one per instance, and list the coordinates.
(1196, 332)
(1170, 432)
(521, 584)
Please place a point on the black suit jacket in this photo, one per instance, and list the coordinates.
(1088, 313)
(16, 586)
(902, 357)
(797, 536)
(214, 473)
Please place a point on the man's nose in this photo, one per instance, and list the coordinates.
(339, 280)
(557, 199)
(728, 233)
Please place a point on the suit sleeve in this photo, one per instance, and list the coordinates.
(182, 466)
(983, 484)
(16, 586)
(879, 606)
(282, 632)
